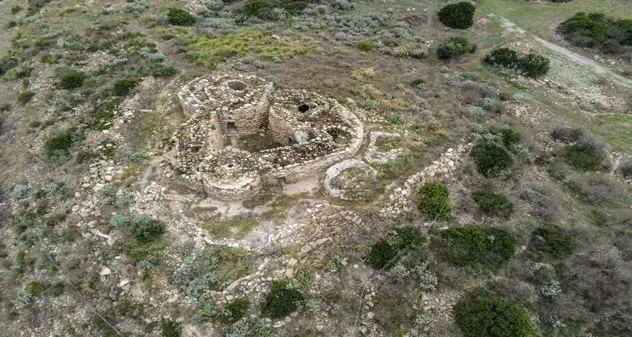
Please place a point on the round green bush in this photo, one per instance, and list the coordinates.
(58, 145)
(510, 137)
(482, 313)
(493, 204)
(180, 17)
(503, 57)
(233, 311)
(491, 159)
(454, 46)
(434, 203)
(534, 65)
(71, 80)
(583, 158)
(164, 71)
(281, 300)
(471, 246)
(381, 255)
(145, 229)
(552, 242)
(123, 86)
(463, 246)
(459, 15)
(365, 45)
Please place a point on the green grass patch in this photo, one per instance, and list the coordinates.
(25, 97)
(210, 49)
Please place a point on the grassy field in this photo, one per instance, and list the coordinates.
(540, 18)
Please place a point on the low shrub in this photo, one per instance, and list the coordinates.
(281, 300)
(233, 311)
(169, 328)
(163, 71)
(491, 160)
(455, 46)
(585, 156)
(470, 246)
(123, 86)
(58, 144)
(144, 229)
(459, 15)
(381, 255)
(25, 97)
(385, 253)
(418, 83)
(273, 9)
(365, 45)
(510, 137)
(482, 313)
(597, 30)
(625, 169)
(71, 80)
(493, 204)
(34, 288)
(434, 203)
(534, 65)
(180, 17)
(598, 189)
(551, 242)
(503, 57)
(567, 134)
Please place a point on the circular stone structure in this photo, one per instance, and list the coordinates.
(338, 189)
(309, 133)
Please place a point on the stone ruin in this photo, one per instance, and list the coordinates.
(308, 133)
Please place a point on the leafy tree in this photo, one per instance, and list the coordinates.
(455, 46)
(483, 314)
(459, 15)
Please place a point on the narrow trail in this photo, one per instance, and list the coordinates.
(575, 57)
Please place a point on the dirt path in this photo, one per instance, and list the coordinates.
(575, 57)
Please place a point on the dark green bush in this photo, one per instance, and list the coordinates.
(58, 145)
(503, 57)
(510, 137)
(233, 311)
(597, 30)
(169, 328)
(469, 246)
(434, 203)
(123, 86)
(454, 46)
(459, 15)
(583, 157)
(164, 71)
(534, 65)
(493, 204)
(385, 253)
(262, 8)
(419, 83)
(381, 255)
(491, 159)
(365, 45)
(71, 80)
(25, 97)
(281, 300)
(180, 17)
(482, 313)
(145, 229)
(551, 242)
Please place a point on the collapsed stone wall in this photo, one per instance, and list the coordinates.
(317, 133)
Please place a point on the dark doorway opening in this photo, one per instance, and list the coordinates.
(303, 107)
(231, 126)
(281, 180)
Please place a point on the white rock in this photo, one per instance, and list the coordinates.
(124, 282)
(370, 315)
(105, 271)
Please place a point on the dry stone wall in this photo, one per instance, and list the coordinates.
(317, 133)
